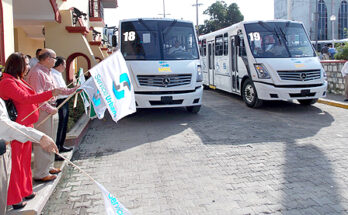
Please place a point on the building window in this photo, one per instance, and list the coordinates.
(322, 22)
(343, 20)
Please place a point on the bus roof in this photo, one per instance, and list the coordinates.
(246, 22)
(158, 19)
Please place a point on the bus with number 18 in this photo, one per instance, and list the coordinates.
(163, 60)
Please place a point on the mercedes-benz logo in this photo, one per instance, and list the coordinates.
(303, 76)
(165, 81)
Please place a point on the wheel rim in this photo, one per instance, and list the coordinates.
(249, 93)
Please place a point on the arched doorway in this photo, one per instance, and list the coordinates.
(70, 64)
(2, 44)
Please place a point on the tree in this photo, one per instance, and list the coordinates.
(221, 16)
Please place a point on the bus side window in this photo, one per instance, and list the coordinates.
(218, 45)
(225, 44)
(241, 51)
(204, 47)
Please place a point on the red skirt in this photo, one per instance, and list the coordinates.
(21, 184)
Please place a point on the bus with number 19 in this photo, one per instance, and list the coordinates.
(263, 60)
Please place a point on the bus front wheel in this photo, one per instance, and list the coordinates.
(307, 101)
(249, 95)
(193, 109)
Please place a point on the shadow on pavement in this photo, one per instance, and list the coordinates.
(225, 120)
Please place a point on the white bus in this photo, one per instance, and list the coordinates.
(163, 59)
(263, 60)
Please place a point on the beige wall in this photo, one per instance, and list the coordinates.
(82, 63)
(25, 44)
(65, 43)
(8, 27)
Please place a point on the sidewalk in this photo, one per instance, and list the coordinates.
(44, 190)
(334, 100)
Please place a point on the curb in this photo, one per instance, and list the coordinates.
(333, 103)
(43, 192)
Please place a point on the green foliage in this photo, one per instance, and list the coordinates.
(75, 113)
(342, 52)
(221, 16)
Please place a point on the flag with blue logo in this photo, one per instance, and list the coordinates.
(112, 205)
(97, 107)
(83, 95)
(111, 78)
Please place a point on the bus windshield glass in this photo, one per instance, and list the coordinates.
(158, 40)
(278, 40)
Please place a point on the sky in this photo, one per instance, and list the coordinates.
(183, 9)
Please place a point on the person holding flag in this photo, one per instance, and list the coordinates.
(63, 112)
(40, 78)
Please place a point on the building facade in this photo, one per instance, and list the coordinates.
(73, 28)
(323, 19)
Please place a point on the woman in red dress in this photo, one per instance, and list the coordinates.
(25, 99)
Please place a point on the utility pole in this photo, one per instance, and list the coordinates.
(289, 9)
(316, 24)
(197, 24)
(164, 11)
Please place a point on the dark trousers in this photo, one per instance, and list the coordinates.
(63, 123)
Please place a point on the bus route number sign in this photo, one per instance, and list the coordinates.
(129, 36)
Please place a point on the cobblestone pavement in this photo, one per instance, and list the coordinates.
(229, 159)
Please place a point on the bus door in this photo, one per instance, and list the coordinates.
(211, 63)
(234, 66)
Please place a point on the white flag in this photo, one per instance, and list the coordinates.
(112, 79)
(112, 205)
(84, 98)
(94, 96)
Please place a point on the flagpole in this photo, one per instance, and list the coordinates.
(37, 141)
(45, 102)
(65, 101)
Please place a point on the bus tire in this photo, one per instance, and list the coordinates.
(193, 109)
(307, 101)
(249, 95)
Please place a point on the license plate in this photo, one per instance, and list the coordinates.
(167, 99)
(305, 92)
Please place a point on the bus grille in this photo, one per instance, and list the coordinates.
(304, 75)
(164, 80)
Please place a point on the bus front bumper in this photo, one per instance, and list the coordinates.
(173, 99)
(270, 92)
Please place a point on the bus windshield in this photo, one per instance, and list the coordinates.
(278, 40)
(158, 40)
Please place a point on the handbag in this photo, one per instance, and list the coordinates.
(11, 110)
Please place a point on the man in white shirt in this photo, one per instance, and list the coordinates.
(9, 131)
(34, 60)
(63, 112)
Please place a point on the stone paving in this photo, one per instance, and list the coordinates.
(229, 159)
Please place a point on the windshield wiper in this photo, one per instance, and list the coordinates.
(170, 26)
(283, 34)
(268, 28)
(144, 24)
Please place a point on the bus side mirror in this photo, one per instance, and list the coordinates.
(114, 41)
(236, 40)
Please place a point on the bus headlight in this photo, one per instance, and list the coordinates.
(324, 74)
(199, 74)
(262, 72)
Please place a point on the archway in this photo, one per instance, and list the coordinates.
(70, 60)
(98, 59)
